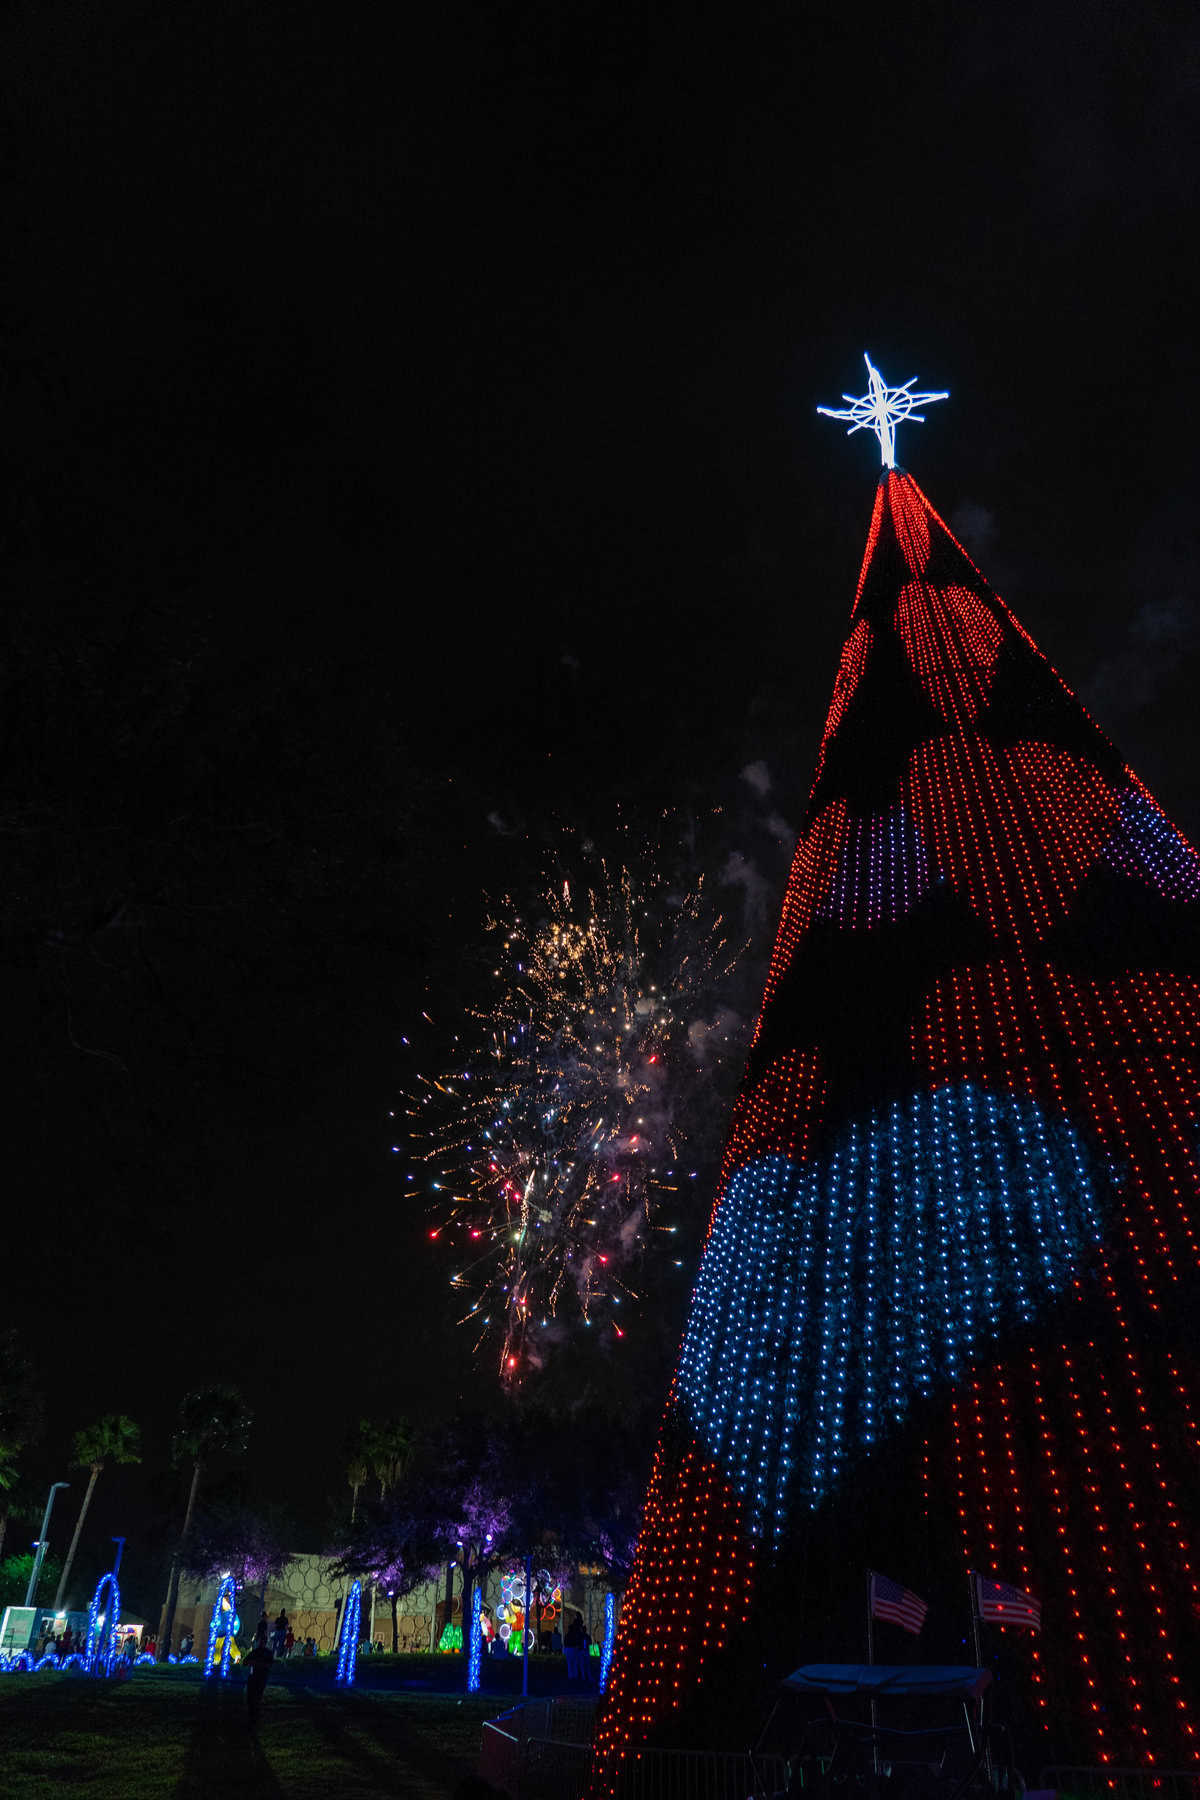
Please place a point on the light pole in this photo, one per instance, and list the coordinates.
(31, 1590)
(120, 1543)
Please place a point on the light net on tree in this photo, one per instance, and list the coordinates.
(944, 1318)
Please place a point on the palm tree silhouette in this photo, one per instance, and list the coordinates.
(112, 1439)
(213, 1421)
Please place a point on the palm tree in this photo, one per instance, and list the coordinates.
(382, 1449)
(8, 1480)
(213, 1421)
(390, 1446)
(112, 1439)
(359, 1461)
(20, 1417)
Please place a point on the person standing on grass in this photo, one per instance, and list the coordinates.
(257, 1664)
(575, 1644)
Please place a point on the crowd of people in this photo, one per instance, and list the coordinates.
(74, 1643)
(66, 1643)
(283, 1640)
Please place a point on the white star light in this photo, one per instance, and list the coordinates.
(882, 408)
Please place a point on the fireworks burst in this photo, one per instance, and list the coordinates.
(551, 1150)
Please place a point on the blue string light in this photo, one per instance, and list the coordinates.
(23, 1662)
(610, 1632)
(1146, 845)
(880, 870)
(224, 1629)
(814, 1326)
(348, 1642)
(100, 1650)
(473, 1658)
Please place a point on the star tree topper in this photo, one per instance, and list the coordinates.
(882, 408)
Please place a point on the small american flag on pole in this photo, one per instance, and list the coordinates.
(1005, 1605)
(897, 1604)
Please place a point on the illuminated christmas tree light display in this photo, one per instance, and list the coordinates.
(944, 1318)
(550, 1152)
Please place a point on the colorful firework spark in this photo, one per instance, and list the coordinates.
(550, 1151)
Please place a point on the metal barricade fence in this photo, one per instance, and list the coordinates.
(500, 1756)
(541, 1751)
(700, 1775)
(1121, 1784)
(542, 1747)
(573, 1718)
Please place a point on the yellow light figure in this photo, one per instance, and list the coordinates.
(235, 1655)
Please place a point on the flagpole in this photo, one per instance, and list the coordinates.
(871, 1664)
(973, 1592)
(973, 1596)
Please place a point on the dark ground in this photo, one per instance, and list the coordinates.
(168, 1733)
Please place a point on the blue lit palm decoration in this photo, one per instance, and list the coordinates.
(882, 408)
(348, 1645)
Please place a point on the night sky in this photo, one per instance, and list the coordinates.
(408, 416)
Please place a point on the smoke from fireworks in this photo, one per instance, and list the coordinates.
(551, 1149)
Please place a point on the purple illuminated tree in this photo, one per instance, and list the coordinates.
(253, 1544)
(397, 1543)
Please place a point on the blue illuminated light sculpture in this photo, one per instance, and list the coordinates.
(348, 1646)
(473, 1657)
(226, 1595)
(101, 1648)
(610, 1632)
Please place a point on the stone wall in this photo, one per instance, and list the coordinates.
(312, 1600)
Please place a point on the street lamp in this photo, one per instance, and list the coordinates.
(34, 1573)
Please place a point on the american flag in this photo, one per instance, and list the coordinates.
(1007, 1605)
(898, 1604)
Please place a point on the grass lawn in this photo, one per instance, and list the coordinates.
(169, 1732)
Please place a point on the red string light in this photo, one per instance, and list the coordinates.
(1060, 1448)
